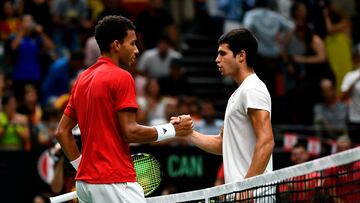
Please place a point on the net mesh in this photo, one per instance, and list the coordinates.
(334, 178)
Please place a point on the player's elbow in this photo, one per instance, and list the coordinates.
(59, 133)
(129, 133)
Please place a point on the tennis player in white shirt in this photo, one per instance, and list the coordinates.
(246, 140)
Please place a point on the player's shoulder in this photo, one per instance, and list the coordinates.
(118, 75)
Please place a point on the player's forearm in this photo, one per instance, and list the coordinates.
(261, 157)
(208, 143)
(136, 133)
(68, 144)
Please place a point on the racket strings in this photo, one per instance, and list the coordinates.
(148, 172)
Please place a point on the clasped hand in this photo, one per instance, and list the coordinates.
(183, 124)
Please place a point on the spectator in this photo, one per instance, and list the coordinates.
(203, 24)
(152, 104)
(14, 130)
(46, 128)
(284, 7)
(26, 46)
(338, 42)
(175, 83)
(91, 51)
(10, 23)
(59, 75)
(299, 154)
(31, 106)
(272, 31)
(343, 143)
(3, 87)
(234, 11)
(300, 188)
(155, 62)
(155, 22)
(330, 115)
(316, 17)
(208, 124)
(343, 180)
(190, 105)
(171, 109)
(309, 58)
(350, 89)
(40, 10)
(69, 18)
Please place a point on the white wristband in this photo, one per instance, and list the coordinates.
(75, 163)
(165, 131)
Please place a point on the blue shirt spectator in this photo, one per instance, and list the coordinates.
(57, 80)
(27, 66)
(266, 26)
(60, 73)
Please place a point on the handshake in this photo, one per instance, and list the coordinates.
(184, 125)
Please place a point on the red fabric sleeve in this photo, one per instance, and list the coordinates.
(70, 108)
(124, 92)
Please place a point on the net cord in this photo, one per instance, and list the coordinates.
(337, 159)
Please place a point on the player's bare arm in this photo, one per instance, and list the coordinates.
(66, 139)
(135, 133)
(261, 123)
(209, 143)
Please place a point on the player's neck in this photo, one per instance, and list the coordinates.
(242, 75)
(113, 57)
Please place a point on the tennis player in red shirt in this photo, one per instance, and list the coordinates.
(103, 104)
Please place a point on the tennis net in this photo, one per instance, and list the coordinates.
(334, 178)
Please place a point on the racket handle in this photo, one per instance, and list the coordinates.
(64, 197)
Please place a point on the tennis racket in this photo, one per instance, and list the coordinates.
(148, 175)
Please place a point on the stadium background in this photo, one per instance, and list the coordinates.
(191, 28)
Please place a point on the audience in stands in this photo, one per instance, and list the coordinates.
(14, 127)
(59, 75)
(69, 18)
(343, 181)
(175, 83)
(155, 22)
(338, 42)
(331, 114)
(155, 62)
(300, 48)
(152, 104)
(26, 46)
(350, 93)
(307, 58)
(302, 187)
(208, 124)
(272, 31)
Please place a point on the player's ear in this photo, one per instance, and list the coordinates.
(241, 56)
(116, 44)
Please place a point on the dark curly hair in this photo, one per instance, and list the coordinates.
(111, 28)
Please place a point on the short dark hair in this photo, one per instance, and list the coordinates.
(241, 39)
(300, 145)
(111, 28)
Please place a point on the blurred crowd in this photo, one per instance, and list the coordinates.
(308, 56)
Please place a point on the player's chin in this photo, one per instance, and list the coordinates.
(131, 62)
(222, 72)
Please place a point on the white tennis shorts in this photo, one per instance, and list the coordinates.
(101, 193)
